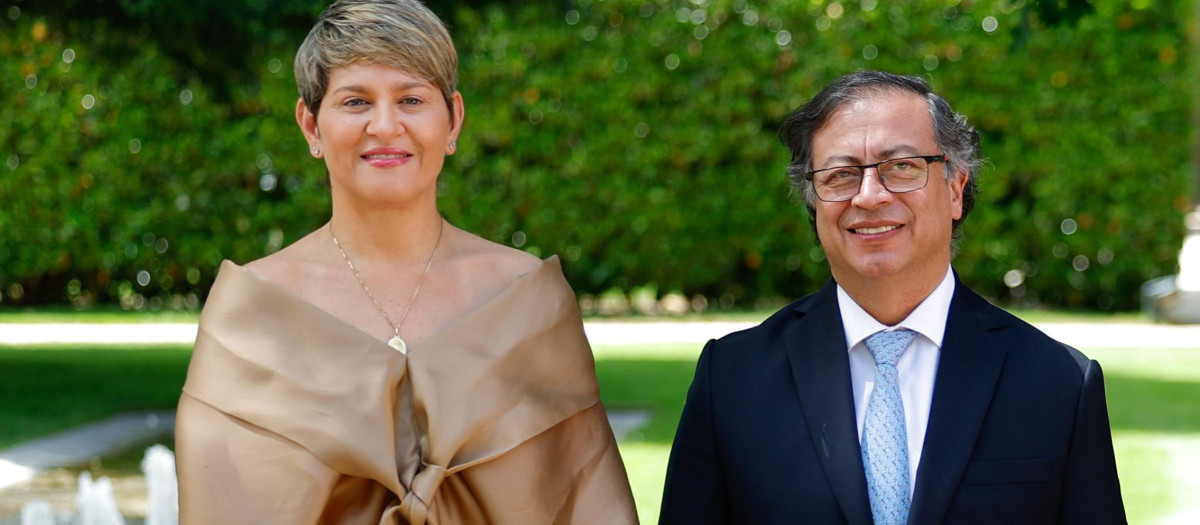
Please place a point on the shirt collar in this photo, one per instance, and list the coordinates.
(927, 319)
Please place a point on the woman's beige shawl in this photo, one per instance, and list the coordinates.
(292, 416)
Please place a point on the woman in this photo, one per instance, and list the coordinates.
(390, 367)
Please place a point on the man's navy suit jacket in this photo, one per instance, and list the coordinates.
(1018, 427)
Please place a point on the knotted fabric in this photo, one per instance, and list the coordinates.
(885, 438)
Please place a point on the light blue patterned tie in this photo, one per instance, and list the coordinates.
(885, 438)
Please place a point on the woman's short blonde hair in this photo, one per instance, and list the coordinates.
(399, 33)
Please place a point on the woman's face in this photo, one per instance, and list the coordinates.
(383, 133)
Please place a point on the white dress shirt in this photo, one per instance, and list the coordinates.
(917, 367)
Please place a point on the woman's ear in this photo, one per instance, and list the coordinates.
(456, 121)
(308, 125)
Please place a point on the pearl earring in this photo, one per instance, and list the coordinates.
(316, 150)
(453, 144)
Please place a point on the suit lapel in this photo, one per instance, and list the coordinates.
(969, 367)
(816, 347)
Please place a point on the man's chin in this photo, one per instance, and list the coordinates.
(874, 266)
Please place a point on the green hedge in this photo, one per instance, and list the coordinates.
(635, 139)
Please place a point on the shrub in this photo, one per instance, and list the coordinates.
(635, 139)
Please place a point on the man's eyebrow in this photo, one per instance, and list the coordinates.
(901, 149)
(835, 161)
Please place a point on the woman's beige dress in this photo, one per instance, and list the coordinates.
(290, 415)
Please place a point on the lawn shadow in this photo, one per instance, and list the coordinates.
(1152, 405)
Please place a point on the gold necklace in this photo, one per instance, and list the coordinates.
(396, 341)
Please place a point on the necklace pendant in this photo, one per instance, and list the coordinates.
(399, 344)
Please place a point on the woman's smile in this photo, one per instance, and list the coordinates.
(386, 157)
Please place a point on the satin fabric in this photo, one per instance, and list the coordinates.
(290, 415)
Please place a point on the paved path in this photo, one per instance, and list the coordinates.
(78, 446)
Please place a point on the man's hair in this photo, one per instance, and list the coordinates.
(954, 136)
(403, 34)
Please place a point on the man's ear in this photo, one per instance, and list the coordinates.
(957, 183)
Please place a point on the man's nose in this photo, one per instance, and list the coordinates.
(871, 191)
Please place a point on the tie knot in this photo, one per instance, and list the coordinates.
(887, 347)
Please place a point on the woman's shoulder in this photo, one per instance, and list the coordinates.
(480, 256)
(296, 267)
(480, 269)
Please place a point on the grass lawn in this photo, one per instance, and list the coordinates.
(45, 389)
(1152, 396)
(1154, 410)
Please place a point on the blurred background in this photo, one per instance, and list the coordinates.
(144, 141)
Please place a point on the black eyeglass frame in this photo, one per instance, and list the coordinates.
(941, 157)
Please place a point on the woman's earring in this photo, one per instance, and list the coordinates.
(316, 150)
(453, 144)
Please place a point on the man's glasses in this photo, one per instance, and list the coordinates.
(900, 175)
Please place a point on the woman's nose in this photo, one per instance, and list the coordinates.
(385, 120)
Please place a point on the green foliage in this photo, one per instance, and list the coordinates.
(648, 130)
(126, 181)
(183, 31)
(636, 139)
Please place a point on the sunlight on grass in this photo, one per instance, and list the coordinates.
(662, 352)
(1152, 403)
(1151, 482)
(646, 464)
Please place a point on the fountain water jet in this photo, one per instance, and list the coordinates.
(95, 503)
(162, 489)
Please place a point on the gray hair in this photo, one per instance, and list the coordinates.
(954, 136)
(400, 33)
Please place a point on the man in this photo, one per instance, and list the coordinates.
(894, 394)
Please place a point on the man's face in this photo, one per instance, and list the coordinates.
(880, 237)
